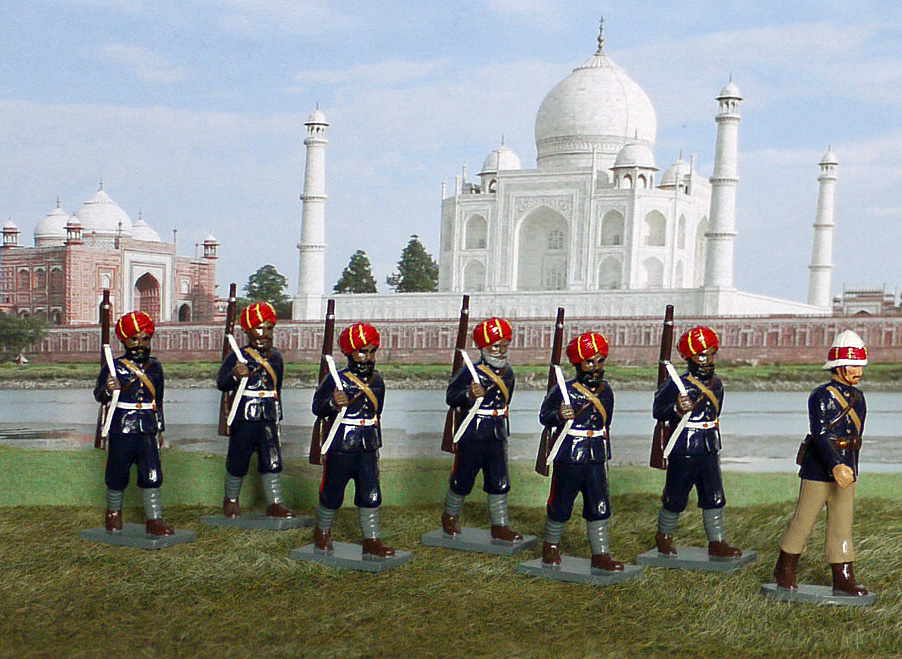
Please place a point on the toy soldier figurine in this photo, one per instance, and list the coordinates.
(829, 468)
(254, 373)
(136, 423)
(352, 398)
(581, 451)
(484, 390)
(692, 402)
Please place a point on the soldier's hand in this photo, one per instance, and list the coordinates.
(843, 475)
(339, 399)
(476, 391)
(160, 441)
(566, 412)
(241, 370)
(112, 384)
(683, 404)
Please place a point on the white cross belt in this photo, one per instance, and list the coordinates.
(482, 412)
(258, 394)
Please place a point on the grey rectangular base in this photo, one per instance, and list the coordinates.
(478, 540)
(258, 521)
(578, 570)
(695, 558)
(133, 535)
(816, 595)
(349, 556)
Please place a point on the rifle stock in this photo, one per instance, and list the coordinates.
(453, 417)
(322, 424)
(225, 400)
(105, 314)
(550, 433)
(662, 428)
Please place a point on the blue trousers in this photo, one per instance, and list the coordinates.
(491, 457)
(126, 450)
(245, 437)
(684, 471)
(568, 480)
(339, 468)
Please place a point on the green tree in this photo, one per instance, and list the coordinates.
(268, 285)
(357, 277)
(417, 271)
(16, 334)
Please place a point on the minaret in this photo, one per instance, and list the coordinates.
(307, 303)
(821, 268)
(721, 234)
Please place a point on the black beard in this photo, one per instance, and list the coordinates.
(591, 380)
(701, 371)
(138, 355)
(496, 362)
(361, 369)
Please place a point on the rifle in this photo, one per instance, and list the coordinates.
(105, 313)
(225, 400)
(322, 424)
(662, 428)
(452, 418)
(548, 432)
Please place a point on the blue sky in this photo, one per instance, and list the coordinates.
(193, 113)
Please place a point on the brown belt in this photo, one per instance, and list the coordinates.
(850, 442)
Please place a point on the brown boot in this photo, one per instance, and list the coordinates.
(158, 527)
(279, 510)
(322, 541)
(230, 508)
(720, 550)
(844, 580)
(113, 521)
(450, 524)
(375, 547)
(606, 562)
(504, 533)
(785, 570)
(664, 543)
(551, 554)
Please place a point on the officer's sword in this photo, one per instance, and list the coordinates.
(678, 381)
(476, 403)
(111, 367)
(242, 385)
(330, 361)
(562, 385)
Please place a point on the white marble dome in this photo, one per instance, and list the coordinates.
(9, 225)
(52, 229)
(142, 231)
(635, 155)
(672, 173)
(597, 106)
(500, 159)
(103, 216)
(316, 117)
(729, 90)
(829, 158)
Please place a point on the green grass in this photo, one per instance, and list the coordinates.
(235, 593)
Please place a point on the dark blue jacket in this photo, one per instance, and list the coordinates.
(579, 450)
(250, 408)
(692, 441)
(133, 422)
(482, 428)
(821, 455)
(350, 438)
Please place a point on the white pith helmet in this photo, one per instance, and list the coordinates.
(847, 349)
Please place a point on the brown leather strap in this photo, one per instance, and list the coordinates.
(592, 399)
(706, 392)
(260, 359)
(847, 409)
(141, 375)
(360, 384)
(497, 380)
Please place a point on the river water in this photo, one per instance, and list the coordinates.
(761, 430)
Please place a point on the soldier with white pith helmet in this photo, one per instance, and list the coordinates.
(829, 468)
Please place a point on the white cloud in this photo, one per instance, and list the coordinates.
(543, 13)
(389, 72)
(255, 19)
(143, 63)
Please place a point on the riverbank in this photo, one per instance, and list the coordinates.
(189, 375)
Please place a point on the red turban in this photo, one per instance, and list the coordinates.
(697, 340)
(257, 314)
(356, 336)
(491, 331)
(132, 323)
(586, 345)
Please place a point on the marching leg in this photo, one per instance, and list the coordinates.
(113, 518)
(369, 529)
(500, 520)
(230, 506)
(597, 530)
(153, 512)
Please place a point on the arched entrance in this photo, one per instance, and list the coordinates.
(185, 313)
(542, 253)
(147, 295)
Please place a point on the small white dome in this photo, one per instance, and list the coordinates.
(103, 216)
(9, 225)
(829, 158)
(143, 231)
(729, 91)
(316, 117)
(52, 229)
(501, 158)
(635, 155)
(210, 239)
(673, 173)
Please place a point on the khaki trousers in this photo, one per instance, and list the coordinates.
(840, 508)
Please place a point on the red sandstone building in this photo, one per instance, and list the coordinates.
(74, 258)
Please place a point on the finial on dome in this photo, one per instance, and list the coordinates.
(101, 183)
(58, 201)
(502, 139)
(600, 50)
